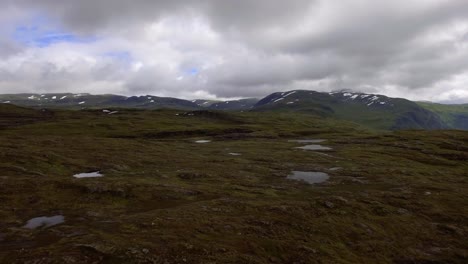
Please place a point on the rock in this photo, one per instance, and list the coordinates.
(274, 260)
(188, 246)
(308, 249)
(329, 204)
(280, 208)
(450, 229)
(92, 214)
(366, 227)
(340, 199)
(191, 175)
(358, 180)
(402, 211)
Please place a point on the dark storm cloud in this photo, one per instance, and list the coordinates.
(92, 15)
(415, 49)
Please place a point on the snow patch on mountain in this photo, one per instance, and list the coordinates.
(290, 93)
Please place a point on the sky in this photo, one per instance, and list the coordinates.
(218, 49)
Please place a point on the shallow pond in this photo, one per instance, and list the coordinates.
(309, 176)
(95, 174)
(203, 141)
(44, 222)
(314, 147)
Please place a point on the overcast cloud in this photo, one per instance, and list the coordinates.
(417, 49)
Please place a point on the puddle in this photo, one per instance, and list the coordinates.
(235, 154)
(309, 176)
(314, 147)
(203, 141)
(95, 174)
(308, 140)
(44, 222)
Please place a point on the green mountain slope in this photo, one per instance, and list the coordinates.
(456, 116)
(376, 111)
(235, 105)
(231, 105)
(205, 103)
(369, 110)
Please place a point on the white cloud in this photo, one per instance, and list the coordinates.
(212, 49)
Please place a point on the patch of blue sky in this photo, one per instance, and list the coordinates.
(51, 39)
(193, 71)
(41, 33)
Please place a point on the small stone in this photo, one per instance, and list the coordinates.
(356, 180)
(341, 199)
(274, 260)
(188, 246)
(329, 204)
(402, 211)
(92, 214)
(308, 249)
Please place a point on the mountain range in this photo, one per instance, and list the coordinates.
(369, 110)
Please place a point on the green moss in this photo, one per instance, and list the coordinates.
(398, 197)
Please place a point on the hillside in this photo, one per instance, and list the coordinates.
(376, 111)
(80, 101)
(234, 105)
(12, 115)
(456, 116)
(369, 110)
(205, 103)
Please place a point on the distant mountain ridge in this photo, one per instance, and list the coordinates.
(234, 105)
(84, 100)
(376, 111)
(370, 110)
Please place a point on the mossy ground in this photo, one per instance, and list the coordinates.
(398, 197)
